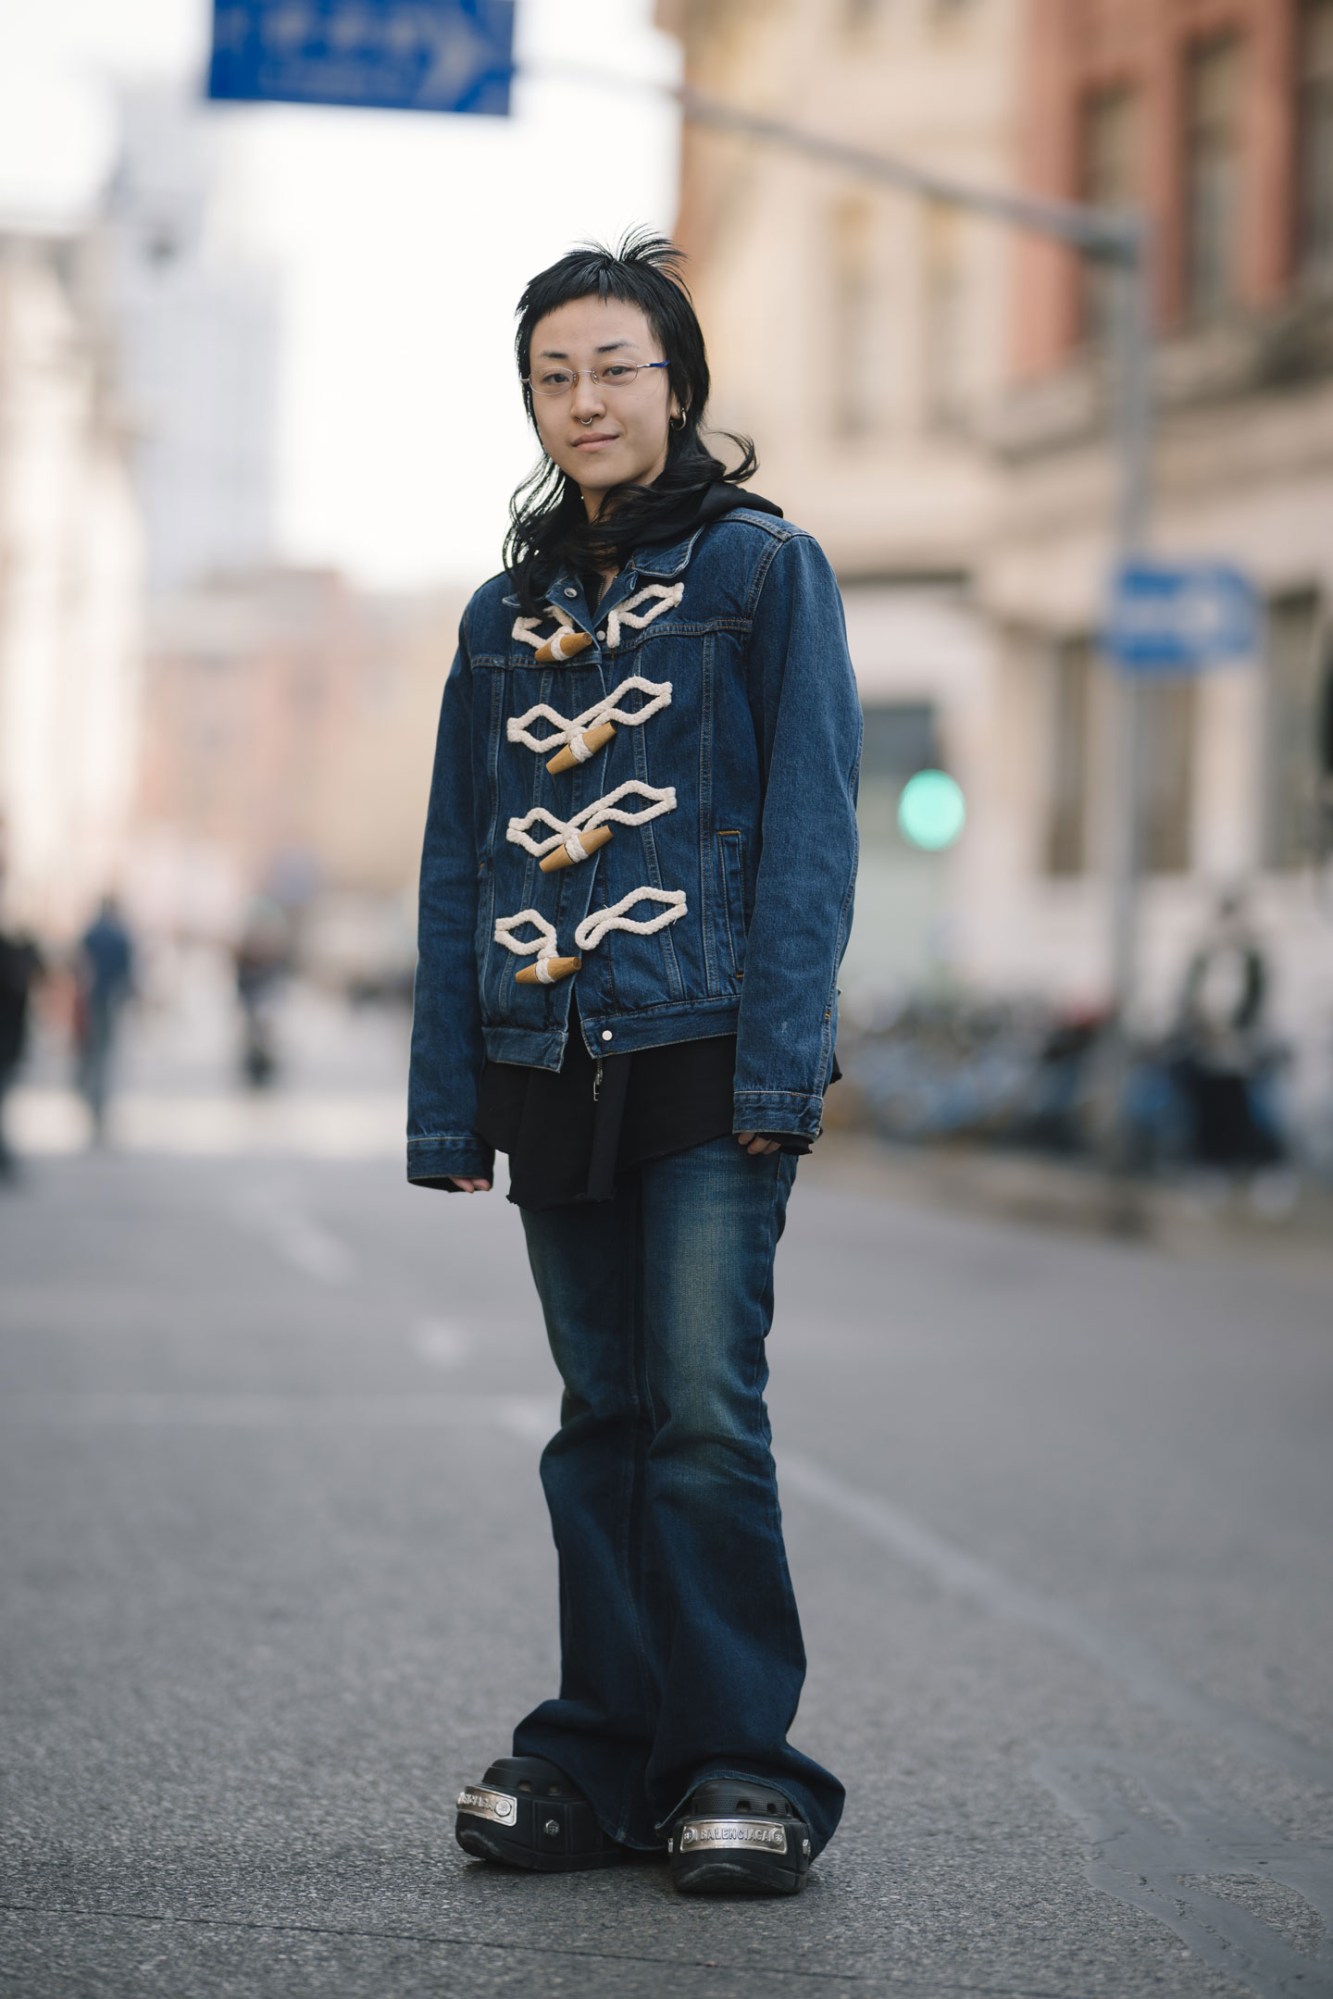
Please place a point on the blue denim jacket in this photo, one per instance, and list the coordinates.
(721, 901)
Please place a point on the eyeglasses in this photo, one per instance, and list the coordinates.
(615, 375)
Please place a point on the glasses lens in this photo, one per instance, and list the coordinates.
(553, 381)
(618, 375)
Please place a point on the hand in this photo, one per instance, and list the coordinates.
(756, 1145)
(466, 1186)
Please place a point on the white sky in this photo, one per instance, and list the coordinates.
(403, 242)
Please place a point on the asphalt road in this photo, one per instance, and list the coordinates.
(277, 1580)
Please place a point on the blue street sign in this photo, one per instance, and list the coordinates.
(395, 55)
(1177, 618)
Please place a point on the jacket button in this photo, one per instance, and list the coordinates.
(570, 591)
(601, 638)
(606, 1034)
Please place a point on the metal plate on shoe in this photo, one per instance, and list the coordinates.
(696, 1833)
(497, 1806)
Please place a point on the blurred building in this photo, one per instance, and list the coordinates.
(929, 393)
(197, 333)
(71, 587)
(857, 334)
(1218, 119)
(291, 727)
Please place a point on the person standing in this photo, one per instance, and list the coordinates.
(105, 982)
(20, 969)
(636, 889)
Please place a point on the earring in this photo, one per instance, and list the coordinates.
(678, 421)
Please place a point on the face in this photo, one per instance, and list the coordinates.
(599, 434)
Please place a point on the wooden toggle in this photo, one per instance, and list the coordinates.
(562, 645)
(546, 971)
(575, 847)
(582, 747)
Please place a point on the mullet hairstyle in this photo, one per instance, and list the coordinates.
(548, 524)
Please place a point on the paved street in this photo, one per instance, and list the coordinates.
(277, 1579)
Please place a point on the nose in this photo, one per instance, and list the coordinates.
(587, 400)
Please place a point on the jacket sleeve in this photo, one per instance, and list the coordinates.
(447, 1048)
(809, 719)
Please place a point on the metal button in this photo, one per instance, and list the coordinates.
(552, 1828)
(601, 638)
(570, 591)
(606, 1034)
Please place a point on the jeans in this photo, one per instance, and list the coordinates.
(681, 1648)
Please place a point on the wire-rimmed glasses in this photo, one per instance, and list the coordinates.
(560, 381)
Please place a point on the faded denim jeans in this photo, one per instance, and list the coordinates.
(681, 1647)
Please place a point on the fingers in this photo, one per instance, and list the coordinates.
(466, 1186)
(755, 1145)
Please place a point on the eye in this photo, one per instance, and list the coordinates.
(618, 372)
(553, 381)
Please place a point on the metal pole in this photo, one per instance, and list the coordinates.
(1131, 281)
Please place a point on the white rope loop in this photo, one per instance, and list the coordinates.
(568, 732)
(603, 811)
(594, 927)
(658, 597)
(545, 943)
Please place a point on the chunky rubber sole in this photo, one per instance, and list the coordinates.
(525, 1813)
(738, 1838)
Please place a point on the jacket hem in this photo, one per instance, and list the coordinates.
(616, 1033)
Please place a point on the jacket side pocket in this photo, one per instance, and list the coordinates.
(731, 871)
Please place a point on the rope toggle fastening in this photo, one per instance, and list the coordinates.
(578, 837)
(576, 739)
(548, 967)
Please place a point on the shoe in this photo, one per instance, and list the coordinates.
(526, 1813)
(734, 1837)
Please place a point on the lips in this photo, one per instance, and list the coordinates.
(598, 437)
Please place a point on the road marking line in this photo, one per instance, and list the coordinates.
(1136, 1668)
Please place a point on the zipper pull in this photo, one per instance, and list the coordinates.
(597, 1081)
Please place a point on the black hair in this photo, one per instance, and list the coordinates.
(548, 524)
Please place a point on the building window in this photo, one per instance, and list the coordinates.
(944, 320)
(1314, 120)
(1167, 775)
(1109, 180)
(1070, 758)
(1293, 700)
(856, 364)
(1212, 177)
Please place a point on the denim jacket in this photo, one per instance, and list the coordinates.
(706, 713)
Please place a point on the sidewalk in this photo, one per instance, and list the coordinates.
(1071, 1195)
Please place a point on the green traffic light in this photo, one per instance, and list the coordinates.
(931, 810)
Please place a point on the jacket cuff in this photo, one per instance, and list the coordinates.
(777, 1111)
(449, 1155)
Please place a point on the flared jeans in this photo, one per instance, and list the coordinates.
(681, 1649)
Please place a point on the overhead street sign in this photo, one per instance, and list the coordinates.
(1177, 618)
(394, 55)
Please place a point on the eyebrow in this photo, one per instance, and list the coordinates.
(557, 354)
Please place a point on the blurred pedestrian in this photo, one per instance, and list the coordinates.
(1226, 1059)
(20, 969)
(262, 960)
(644, 794)
(105, 972)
